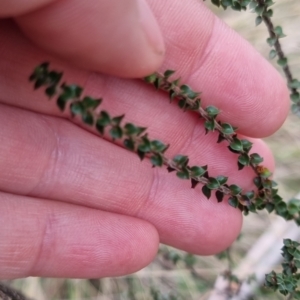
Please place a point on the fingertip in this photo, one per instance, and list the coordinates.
(225, 224)
(118, 38)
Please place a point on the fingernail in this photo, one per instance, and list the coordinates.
(150, 28)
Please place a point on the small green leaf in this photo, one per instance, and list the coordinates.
(129, 144)
(271, 41)
(181, 160)
(233, 201)
(249, 195)
(186, 90)
(116, 132)
(253, 4)
(130, 129)
(267, 184)
(182, 103)
(209, 125)
(258, 20)
(294, 84)
(50, 91)
(272, 54)
(183, 174)
(40, 71)
(247, 145)
(54, 77)
(235, 189)
(158, 146)
(282, 62)
(104, 119)
(151, 78)
(270, 207)
(226, 3)
(117, 120)
(281, 208)
(259, 9)
(252, 207)
(156, 160)
(198, 171)
(245, 2)
(89, 102)
(145, 145)
(216, 2)
(269, 2)
(244, 159)
(168, 73)
(255, 159)
(206, 191)
(71, 91)
(77, 108)
(274, 184)
(278, 31)
(257, 182)
(268, 13)
(293, 206)
(296, 109)
(227, 128)
(212, 111)
(237, 7)
(40, 82)
(222, 179)
(88, 118)
(236, 145)
(287, 242)
(213, 184)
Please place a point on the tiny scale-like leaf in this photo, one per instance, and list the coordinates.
(212, 111)
(206, 191)
(258, 20)
(198, 171)
(272, 54)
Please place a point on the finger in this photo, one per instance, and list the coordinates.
(229, 72)
(17, 7)
(68, 164)
(48, 238)
(115, 37)
(245, 102)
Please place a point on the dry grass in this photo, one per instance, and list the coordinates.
(163, 275)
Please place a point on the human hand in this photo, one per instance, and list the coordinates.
(76, 205)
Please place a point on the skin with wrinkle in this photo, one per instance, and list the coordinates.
(77, 205)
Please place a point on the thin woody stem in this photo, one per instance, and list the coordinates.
(270, 26)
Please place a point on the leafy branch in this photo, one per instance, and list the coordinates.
(266, 196)
(264, 14)
(287, 281)
(134, 138)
